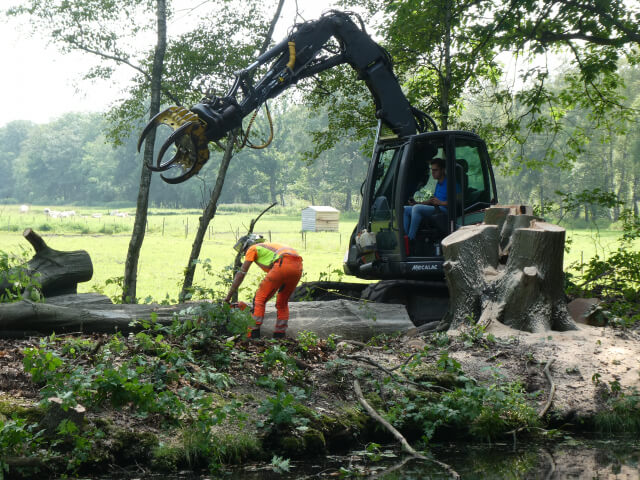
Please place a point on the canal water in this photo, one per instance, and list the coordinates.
(566, 458)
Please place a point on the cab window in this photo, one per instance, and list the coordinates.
(472, 174)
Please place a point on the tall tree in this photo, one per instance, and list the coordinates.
(12, 137)
(447, 50)
(130, 283)
(212, 205)
(104, 28)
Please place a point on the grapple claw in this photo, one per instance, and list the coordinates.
(189, 138)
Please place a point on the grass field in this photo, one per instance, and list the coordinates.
(170, 235)
(168, 242)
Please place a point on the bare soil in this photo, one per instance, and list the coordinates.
(585, 364)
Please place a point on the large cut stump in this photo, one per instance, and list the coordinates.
(509, 269)
(56, 272)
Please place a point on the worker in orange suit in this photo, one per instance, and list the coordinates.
(284, 268)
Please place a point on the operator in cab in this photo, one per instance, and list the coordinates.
(416, 211)
(283, 265)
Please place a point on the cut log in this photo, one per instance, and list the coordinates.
(55, 271)
(348, 319)
(510, 271)
(26, 318)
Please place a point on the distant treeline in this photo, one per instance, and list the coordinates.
(70, 161)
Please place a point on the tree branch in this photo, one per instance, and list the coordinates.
(552, 392)
(124, 61)
(391, 429)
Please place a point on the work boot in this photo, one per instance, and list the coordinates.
(253, 333)
(279, 335)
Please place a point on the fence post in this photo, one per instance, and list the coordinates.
(163, 226)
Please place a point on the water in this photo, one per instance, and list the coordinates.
(583, 458)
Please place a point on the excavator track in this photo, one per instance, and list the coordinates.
(426, 301)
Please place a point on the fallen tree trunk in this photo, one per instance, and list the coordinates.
(70, 314)
(509, 269)
(26, 318)
(55, 272)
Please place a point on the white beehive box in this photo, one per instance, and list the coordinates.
(319, 218)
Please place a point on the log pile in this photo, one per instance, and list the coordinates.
(509, 269)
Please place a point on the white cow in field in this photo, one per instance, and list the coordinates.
(68, 213)
(52, 213)
(24, 208)
(122, 214)
(96, 215)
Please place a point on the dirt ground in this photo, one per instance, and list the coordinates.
(584, 363)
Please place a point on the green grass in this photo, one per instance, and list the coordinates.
(168, 242)
(170, 235)
(586, 243)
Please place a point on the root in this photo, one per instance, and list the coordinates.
(391, 429)
(552, 391)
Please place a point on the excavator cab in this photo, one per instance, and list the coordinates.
(399, 170)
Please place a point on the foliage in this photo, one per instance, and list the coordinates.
(280, 465)
(480, 411)
(15, 274)
(622, 413)
(17, 438)
(614, 276)
(222, 281)
(135, 371)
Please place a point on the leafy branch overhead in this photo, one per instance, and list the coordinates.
(504, 54)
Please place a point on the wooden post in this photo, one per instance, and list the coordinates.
(163, 226)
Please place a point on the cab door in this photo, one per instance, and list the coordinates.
(474, 176)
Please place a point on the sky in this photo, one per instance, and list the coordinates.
(38, 83)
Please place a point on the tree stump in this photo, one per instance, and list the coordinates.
(57, 272)
(507, 269)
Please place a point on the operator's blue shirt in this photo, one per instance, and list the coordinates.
(441, 191)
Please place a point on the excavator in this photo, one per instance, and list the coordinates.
(410, 273)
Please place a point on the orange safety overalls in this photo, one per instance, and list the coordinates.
(284, 268)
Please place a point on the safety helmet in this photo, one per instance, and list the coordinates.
(246, 241)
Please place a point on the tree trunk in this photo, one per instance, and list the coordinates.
(207, 216)
(508, 269)
(349, 319)
(129, 290)
(56, 272)
(635, 198)
(26, 318)
(210, 209)
(445, 77)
